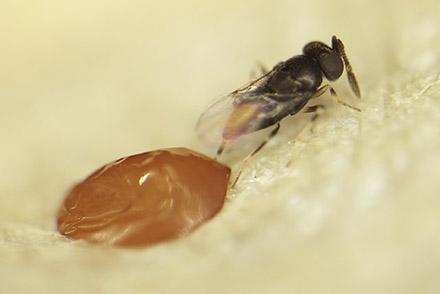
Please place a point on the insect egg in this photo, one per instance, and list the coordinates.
(144, 199)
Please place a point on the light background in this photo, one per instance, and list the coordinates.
(357, 211)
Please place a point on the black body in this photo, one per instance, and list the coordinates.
(284, 90)
(288, 87)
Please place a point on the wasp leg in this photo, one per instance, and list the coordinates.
(261, 70)
(324, 88)
(271, 135)
(320, 91)
(315, 109)
(221, 148)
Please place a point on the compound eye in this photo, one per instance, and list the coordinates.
(331, 65)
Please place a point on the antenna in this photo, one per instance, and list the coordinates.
(339, 47)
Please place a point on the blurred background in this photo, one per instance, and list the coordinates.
(86, 82)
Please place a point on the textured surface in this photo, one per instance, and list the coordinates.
(83, 82)
(144, 199)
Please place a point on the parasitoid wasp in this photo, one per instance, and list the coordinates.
(284, 90)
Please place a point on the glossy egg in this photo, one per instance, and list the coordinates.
(144, 199)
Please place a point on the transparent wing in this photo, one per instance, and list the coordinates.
(254, 84)
(211, 123)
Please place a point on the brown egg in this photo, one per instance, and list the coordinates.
(146, 198)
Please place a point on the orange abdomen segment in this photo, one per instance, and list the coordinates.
(241, 120)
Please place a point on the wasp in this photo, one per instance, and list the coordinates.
(284, 90)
